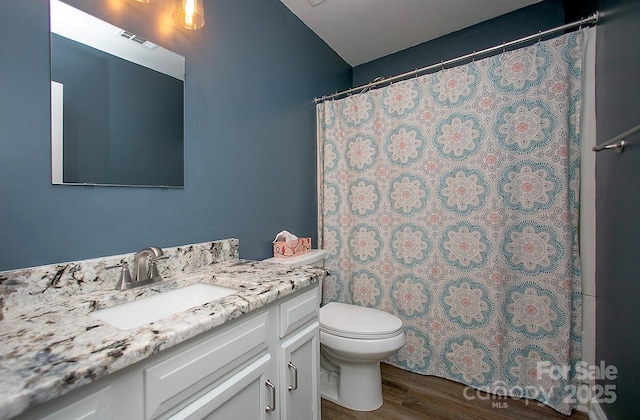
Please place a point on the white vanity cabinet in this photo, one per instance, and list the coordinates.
(282, 383)
(261, 366)
(299, 357)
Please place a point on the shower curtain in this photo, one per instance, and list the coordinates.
(451, 201)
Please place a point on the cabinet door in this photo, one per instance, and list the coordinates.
(245, 395)
(299, 365)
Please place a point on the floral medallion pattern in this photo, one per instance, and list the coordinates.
(363, 197)
(572, 52)
(469, 361)
(451, 201)
(463, 190)
(410, 244)
(465, 246)
(467, 303)
(416, 354)
(405, 145)
(533, 311)
(410, 296)
(525, 125)
(408, 194)
(517, 71)
(357, 110)
(523, 369)
(331, 197)
(366, 289)
(361, 153)
(330, 155)
(453, 86)
(332, 242)
(458, 136)
(532, 249)
(332, 287)
(529, 186)
(328, 116)
(365, 243)
(400, 99)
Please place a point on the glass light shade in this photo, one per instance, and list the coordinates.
(190, 14)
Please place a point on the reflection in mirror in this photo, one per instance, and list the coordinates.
(117, 105)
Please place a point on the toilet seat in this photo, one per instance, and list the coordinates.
(358, 322)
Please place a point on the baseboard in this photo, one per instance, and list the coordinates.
(595, 412)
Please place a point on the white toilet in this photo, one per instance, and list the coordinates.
(353, 341)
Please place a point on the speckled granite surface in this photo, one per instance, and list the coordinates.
(50, 344)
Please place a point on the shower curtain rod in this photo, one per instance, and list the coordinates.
(586, 21)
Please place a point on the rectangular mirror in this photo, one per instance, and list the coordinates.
(117, 105)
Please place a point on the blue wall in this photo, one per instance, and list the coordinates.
(526, 21)
(252, 74)
(618, 204)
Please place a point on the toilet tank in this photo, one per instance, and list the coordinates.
(314, 257)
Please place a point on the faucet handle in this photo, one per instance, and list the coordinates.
(153, 268)
(125, 280)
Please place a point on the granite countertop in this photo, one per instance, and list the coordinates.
(50, 349)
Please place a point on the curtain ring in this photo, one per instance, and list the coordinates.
(501, 56)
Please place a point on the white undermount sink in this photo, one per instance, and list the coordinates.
(143, 311)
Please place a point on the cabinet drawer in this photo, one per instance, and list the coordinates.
(298, 311)
(240, 397)
(95, 406)
(171, 381)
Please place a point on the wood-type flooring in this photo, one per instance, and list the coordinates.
(411, 396)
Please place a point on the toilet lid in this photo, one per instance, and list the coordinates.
(353, 321)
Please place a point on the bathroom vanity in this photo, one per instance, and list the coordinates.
(253, 354)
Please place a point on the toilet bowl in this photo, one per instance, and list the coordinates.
(353, 341)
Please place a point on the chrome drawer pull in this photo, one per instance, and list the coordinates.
(273, 397)
(295, 377)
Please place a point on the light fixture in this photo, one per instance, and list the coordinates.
(190, 14)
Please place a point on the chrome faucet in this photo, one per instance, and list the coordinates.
(145, 269)
(144, 264)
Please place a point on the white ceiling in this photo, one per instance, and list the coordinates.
(364, 30)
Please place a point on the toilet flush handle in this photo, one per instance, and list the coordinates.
(295, 377)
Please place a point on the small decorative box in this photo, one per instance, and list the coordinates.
(285, 249)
